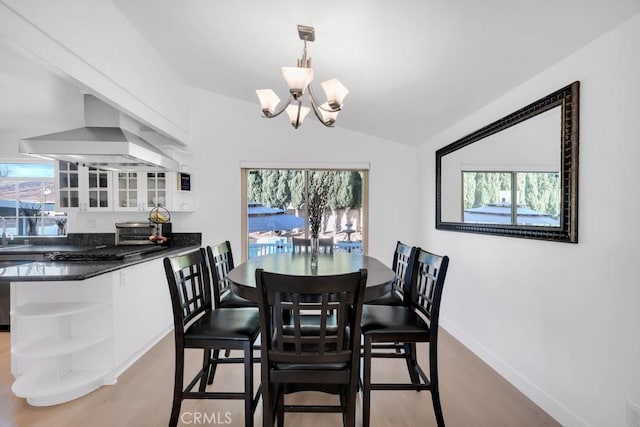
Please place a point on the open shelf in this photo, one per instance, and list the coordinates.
(50, 309)
(51, 347)
(47, 388)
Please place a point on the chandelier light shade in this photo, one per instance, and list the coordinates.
(268, 100)
(298, 80)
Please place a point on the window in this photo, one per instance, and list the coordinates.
(487, 198)
(276, 208)
(27, 200)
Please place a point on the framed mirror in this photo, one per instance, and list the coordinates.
(515, 177)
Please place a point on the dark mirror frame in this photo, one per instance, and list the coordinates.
(568, 99)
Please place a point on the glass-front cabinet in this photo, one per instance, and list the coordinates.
(156, 189)
(69, 185)
(83, 188)
(140, 191)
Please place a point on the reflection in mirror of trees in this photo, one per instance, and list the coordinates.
(487, 198)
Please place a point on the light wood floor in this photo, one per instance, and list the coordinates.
(472, 395)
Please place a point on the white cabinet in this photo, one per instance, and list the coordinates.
(60, 339)
(68, 338)
(83, 188)
(142, 191)
(140, 298)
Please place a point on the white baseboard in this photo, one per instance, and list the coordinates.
(541, 398)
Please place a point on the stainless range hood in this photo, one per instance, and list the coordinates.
(107, 142)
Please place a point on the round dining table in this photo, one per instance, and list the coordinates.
(379, 277)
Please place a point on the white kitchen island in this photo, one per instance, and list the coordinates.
(70, 337)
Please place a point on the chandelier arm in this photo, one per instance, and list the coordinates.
(281, 109)
(315, 101)
(315, 107)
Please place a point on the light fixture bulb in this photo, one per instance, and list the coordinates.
(268, 101)
(297, 79)
(292, 112)
(335, 92)
(328, 117)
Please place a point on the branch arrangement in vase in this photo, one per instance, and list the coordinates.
(317, 206)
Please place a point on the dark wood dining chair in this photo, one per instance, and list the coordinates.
(322, 356)
(403, 257)
(197, 325)
(408, 324)
(301, 245)
(220, 259)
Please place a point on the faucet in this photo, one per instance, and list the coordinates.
(4, 231)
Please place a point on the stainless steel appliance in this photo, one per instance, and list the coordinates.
(140, 233)
(107, 253)
(106, 142)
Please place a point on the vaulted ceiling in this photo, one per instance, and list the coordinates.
(413, 67)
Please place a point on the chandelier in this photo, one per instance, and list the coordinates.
(298, 79)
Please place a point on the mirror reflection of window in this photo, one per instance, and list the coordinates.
(488, 196)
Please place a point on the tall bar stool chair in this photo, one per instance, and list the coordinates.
(221, 262)
(220, 259)
(301, 245)
(323, 356)
(408, 324)
(199, 326)
(402, 265)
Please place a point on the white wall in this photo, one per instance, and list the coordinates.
(93, 44)
(561, 321)
(226, 131)
(33, 102)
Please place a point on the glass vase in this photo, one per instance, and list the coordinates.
(314, 252)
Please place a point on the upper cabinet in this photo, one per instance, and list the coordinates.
(87, 189)
(141, 191)
(83, 188)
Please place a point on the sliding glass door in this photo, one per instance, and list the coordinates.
(275, 208)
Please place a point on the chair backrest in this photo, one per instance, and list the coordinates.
(285, 336)
(301, 244)
(403, 262)
(427, 282)
(189, 287)
(220, 262)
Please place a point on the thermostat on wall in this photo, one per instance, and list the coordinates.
(184, 181)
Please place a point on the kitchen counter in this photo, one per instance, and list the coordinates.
(71, 320)
(42, 270)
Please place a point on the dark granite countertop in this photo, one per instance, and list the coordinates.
(28, 271)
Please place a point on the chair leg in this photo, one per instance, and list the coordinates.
(280, 407)
(411, 359)
(435, 388)
(248, 384)
(366, 382)
(177, 389)
(350, 412)
(206, 367)
(215, 354)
